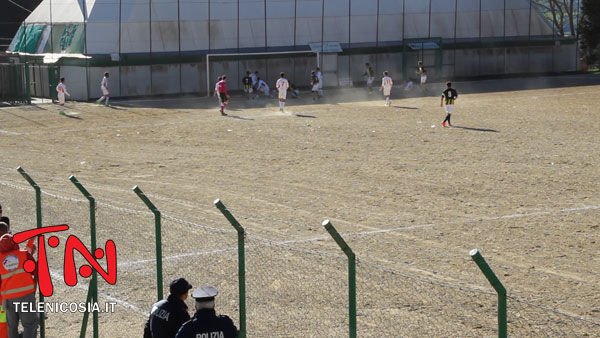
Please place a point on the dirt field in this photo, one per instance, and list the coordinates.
(516, 177)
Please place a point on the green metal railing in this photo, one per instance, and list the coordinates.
(157, 231)
(241, 264)
(38, 215)
(351, 275)
(93, 286)
(14, 83)
(497, 285)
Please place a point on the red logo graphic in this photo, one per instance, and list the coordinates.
(70, 270)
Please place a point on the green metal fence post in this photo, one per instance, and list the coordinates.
(94, 282)
(84, 322)
(351, 275)
(27, 84)
(38, 214)
(241, 264)
(157, 231)
(497, 285)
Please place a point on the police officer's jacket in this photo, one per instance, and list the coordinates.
(206, 324)
(166, 318)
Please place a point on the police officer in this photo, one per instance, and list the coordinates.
(167, 316)
(206, 323)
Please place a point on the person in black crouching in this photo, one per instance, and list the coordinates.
(206, 323)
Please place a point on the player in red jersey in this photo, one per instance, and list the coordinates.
(222, 88)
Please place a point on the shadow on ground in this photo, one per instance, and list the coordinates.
(476, 129)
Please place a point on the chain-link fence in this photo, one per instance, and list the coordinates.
(294, 287)
(14, 83)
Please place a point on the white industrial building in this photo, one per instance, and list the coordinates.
(155, 47)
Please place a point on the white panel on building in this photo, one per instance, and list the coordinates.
(390, 20)
(443, 18)
(252, 23)
(223, 24)
(308, 21)
(280, 22)
(336, 24)
(416, 20)
(517, 17)
(135, 26)
(102, 38)
(467, 19)
(165, 30)
(102, 32)
(492, 18)
(363, 27)
(194, 24)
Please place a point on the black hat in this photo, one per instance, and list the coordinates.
(179, 286)
(5, 219)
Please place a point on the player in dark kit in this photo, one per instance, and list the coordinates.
(422, 73)
(247, 82)
(449, 95)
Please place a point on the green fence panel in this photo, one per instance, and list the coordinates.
(14, 84)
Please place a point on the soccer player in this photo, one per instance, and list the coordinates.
(370, 77)
(254, 78)
(422, 73)
(320, 77)
(386, 87)
(262, 86)
(282, 86)
(314, 81)
(61, 89)
(450, 96)
(222, 88)
(294, 90)
(217, 89)
(104, 88)
(247, 82)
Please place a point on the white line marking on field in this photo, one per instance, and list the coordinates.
(473, 220)
(9, 132)
(57, 275)
(184, 255)
(369, 232)
(101, 128)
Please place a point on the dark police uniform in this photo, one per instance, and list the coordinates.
(166, 318)
(206, 324)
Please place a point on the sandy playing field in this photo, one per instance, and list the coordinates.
(516, 177)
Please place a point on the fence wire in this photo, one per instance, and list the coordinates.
(294, 288)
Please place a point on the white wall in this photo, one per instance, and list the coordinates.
(196, 25)
(102, 32)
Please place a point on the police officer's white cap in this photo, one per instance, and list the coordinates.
(205, 292)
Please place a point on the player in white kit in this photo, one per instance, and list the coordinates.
(386, 87)
(61, 89)
(320, 77)
(254, 78)
(314, 82)
(282, 86)
(104, 88)
(263, 87)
